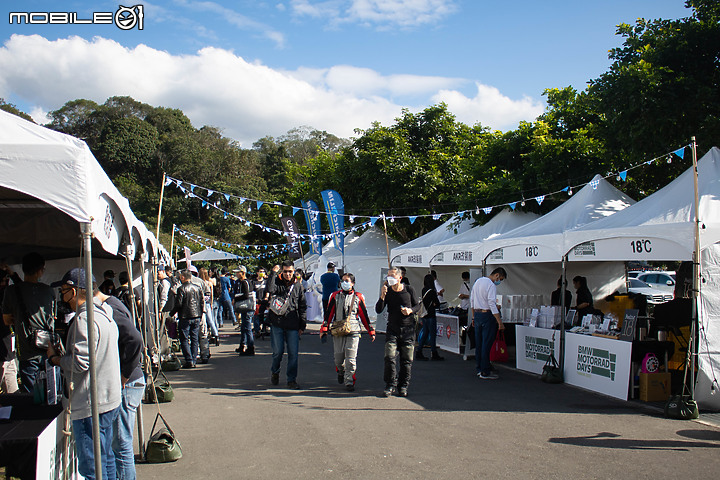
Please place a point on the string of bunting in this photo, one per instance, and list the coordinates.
(204, 241)
(189, 189)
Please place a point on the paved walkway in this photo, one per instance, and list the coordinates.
(233, 424)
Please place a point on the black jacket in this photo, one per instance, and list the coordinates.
(296, 316)
(189, 301)
(129, 340)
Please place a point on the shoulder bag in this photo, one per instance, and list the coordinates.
(162, 447)
(344, 327)
(279, 305)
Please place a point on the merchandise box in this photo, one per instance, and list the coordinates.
(654, 387)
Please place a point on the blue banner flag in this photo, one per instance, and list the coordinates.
(336, 210)
(312, 217)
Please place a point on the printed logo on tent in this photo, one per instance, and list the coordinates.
(585, 250)
(496, 255)
(462, 256)
(125, 18)
(537, 348)
(414, 259)
(596, 361)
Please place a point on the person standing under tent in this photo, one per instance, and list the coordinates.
(130, 344)
(75, 367)
(189, 302)
(486, 320)
(8, 379)
(346, 305)
(438, 288)
(243, 297)
(288, 320)
(225, 308)
(468, 333)
(108, 285)
(428, 333)
(556, 299)
(583, 297)
(403, 274)
(28, 306)
(330, 282)
(401, 304)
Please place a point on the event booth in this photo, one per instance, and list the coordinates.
(56, 200)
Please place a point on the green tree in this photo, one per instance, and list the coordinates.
(10, 108)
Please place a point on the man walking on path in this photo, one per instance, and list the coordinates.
(189, 303)
(346, 310)
(287, 315)
(401, 303)
(486, 319)
(330, 282)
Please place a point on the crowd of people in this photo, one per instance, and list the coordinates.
(195, 304)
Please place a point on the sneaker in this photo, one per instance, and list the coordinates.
(419, 356)
(402, 392)
(350, 387)
(436, 357)
(189, 365)
(488, 376)
(389, 390)
(293, 386)
(275, 378)
(204, 361)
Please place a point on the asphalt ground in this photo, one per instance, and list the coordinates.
(232, 423)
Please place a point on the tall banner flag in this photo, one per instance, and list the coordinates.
(293, 238)
(312, 217)
(188, 253)
(336, 210)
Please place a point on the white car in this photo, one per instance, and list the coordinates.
(664, 281)
(653, 295)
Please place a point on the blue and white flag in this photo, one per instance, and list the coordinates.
(335, 209)
(312, 217)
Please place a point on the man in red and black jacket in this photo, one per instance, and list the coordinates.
(343, 317)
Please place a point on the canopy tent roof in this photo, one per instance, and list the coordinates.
(458, 250)
(419, 248)
(659, 227)
(542, 240)
(211, 254)
(50, 183)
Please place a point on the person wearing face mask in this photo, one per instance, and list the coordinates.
(28, 306)
(401, 304)
(347, 305)
(486, 320)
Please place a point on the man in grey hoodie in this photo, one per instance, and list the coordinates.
(75, 364)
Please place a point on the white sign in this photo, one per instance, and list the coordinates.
(598, 364)
(448, 333)
(630, 248)
(533, 347)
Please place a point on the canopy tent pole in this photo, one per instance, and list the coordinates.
(387, 244)
(172, 245)
(563, 285)
(90, 306)
(696, 271)
(162, 194)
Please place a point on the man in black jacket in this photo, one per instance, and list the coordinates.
(401, 304)
(287, 315)
(189, 305)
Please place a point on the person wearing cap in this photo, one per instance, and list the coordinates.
(243, 292)
(108, 285)
(75, 365)
(28, 306)
(330, 282)
(189, 304)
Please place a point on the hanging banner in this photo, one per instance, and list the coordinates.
(312, 217)
(293, 239)
(188, 253)
(336, 210)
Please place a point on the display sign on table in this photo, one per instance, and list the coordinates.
(448, 333)
(628, 326)
(598, 364)
(533, 347)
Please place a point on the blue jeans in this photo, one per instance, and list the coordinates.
(210, 320)
(486, 328)
(278, 338)
(428, 334)
(29, 370)
(82, 430)
(246, 329)
(225, 311)
(189, 338)
(122, 442)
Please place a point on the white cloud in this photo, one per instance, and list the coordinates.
(380, 13)
(216, 87)
(490, 107)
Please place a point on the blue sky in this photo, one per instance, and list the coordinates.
(257, 68)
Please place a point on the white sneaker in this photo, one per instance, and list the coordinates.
(489, 376)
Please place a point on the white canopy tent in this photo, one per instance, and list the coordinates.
(209, 255)
(661, 227)
(418, 252)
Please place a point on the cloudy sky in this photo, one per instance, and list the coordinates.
(257, 68)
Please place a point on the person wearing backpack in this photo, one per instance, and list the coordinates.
(344, 318)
